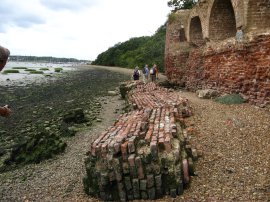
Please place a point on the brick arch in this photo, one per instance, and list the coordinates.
(258, 14)
(222, 21)
(195, 31)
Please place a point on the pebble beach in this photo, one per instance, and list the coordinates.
(234, 140)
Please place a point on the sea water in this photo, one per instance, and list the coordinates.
(25, 77)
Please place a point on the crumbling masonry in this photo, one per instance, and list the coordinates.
(146, 153)
(202, 50)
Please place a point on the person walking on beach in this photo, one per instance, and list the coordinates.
(153, 73)
(4, 54)
(156, 70)
(145, 73)
(136, 74)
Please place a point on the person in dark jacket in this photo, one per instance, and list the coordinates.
(136, 74)
(4, 54)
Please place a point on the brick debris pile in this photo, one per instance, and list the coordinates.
(152, 95)
(146, 153)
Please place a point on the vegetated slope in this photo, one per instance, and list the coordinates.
(136, 52)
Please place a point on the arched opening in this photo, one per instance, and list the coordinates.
(258, 14)
(222, 23)
(195, 31)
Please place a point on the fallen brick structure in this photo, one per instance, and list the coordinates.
(146, 153)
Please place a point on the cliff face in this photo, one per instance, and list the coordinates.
(222, 45)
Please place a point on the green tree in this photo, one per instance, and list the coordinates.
(136, 52)
(181, 4)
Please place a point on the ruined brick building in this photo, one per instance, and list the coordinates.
(202, 50)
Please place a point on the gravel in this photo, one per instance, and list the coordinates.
(235, 143)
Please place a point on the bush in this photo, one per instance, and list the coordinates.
(41, 146)
(44, 69)
(58, 69)
(172, 17)
(11, 71)
(36, 72)
(30, 70)
(230, 99)
(19, 67)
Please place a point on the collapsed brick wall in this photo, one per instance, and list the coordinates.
(241, 68)
(146, 153)
(195, 74)
(176, 67)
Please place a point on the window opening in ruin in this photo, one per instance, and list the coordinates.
(222, 23)
(258, 14)
(195, 31)
(182, 35)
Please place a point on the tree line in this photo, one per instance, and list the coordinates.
(19, 58)
(136, 52)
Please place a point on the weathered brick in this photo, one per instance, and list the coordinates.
(153, 148)
(158, 181)
(131, 145)
(150, 181)
(124, 149)
(125, 167)
(143, 185)
(131, 160)
(151, 193)
(128, 184)
(186, 171)
(144, 195)
(121, 191)
(136, 188)
(180, 188)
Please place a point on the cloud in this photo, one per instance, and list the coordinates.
(68, 4)
(76, 28)
(14, 13)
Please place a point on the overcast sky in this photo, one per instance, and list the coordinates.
(80, 29)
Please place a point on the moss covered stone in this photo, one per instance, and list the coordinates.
(41, 146)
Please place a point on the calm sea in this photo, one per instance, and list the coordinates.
(24, 77)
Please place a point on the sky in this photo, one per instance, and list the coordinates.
(79, 29)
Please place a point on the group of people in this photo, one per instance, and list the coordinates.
(4, 54)
(147, 73)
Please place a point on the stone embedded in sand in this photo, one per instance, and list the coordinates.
(207, 93)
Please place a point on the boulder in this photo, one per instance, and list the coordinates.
(74, 116)
(112, 93)
(207, 93)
